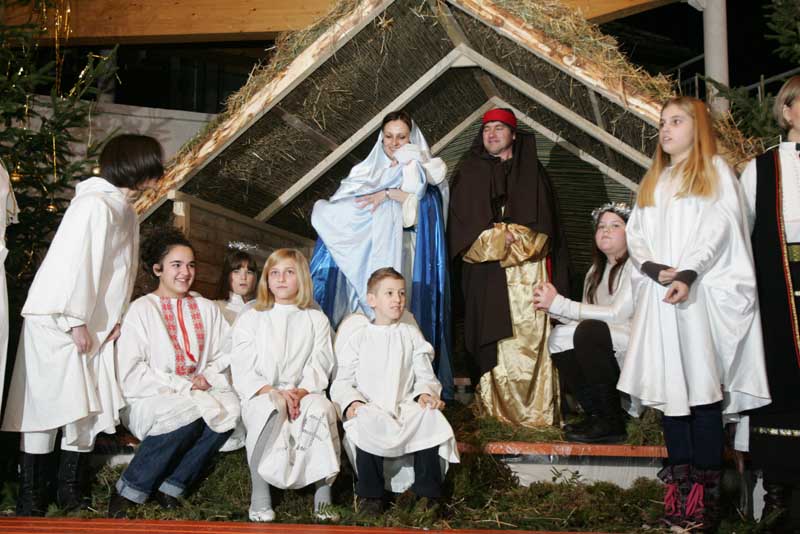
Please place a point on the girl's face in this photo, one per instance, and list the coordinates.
(283, 282)
(395, 134)
(676, 133)
(610, 236)
(175, 272)
(243, 280)
(791, 114)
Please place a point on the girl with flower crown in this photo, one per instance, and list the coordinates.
(237, 284)
(588, 347)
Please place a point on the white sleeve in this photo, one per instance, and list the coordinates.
(410, 207)
(317, 372)
(343, 389)
(620, 310)
(247, 379)
(425, 380)
(748, 183)
(219, 356)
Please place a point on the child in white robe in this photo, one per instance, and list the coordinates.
(237, 284)
(387, 394)
(64, 377)
(179, 406)
(695, 351)
(281, 362)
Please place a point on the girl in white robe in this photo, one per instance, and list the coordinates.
(281, 362)
(588, 346)
(386, 393)
(64, 375)
(237, 284)
(695, 351)
(179, 406)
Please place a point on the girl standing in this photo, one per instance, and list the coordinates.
(179, 406)
(237, 285)
(64, 376)
(695, 351)
(282, 360)
(588, 347)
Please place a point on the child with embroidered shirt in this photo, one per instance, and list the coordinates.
(387, 394)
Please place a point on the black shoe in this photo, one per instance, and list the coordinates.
(167, 502)
(579, 425)
(370, 506)
(600, 430)
(69, 494)
(32, 498)
(118, 506)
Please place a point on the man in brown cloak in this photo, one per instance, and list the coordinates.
(504, 226)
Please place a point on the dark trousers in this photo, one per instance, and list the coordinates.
(696, 439)
(427, 474)
(170, 462)
(591, 361)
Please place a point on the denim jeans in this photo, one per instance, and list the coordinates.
(427, 474)
(695, 439)
(170, 462)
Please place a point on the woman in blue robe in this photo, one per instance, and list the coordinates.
(389, 212)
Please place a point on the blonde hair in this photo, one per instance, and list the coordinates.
(382, 274)
(786, 96)
(265, 300)
(699, 178)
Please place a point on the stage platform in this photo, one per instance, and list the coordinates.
(125, 526)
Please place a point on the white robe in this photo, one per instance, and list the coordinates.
(286, 348)
(790, 191)
(709, 348)
(86, 278)
(232, 307)
(159, 400)
(8, 215)
(387, 367)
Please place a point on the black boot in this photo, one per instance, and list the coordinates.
(702, 503)
(69, 494)
(607, 421)
(572, 378)
(32, 498)
(777, 499)
(677, 486)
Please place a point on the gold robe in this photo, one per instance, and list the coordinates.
(522, 389)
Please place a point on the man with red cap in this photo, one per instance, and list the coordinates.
(504, 228)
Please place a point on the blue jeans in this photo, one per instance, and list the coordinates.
(696, 439)
(171, 462)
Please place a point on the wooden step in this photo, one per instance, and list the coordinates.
(521, 448)
(25, 525)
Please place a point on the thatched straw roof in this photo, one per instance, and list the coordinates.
(291, 134)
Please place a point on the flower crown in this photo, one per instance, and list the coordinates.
(242, 246)
(619, 208)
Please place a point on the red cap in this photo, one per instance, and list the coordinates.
(502, 115)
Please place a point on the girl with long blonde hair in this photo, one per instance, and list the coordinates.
(695, 351)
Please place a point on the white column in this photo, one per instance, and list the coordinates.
(715, 44)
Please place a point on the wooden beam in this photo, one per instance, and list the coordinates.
(334, 157)
(262, 101)
(107, 22)
(463, 125)
(601, 11)
(557, 108)
(301, 126)
(560, 141)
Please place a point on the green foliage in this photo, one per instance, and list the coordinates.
(40, 143)
(783, 18)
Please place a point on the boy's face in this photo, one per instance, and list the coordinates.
(388, 300)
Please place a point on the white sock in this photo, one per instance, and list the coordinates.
(322, 495)
(260, 497)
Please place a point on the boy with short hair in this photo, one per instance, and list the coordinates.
(387, 394)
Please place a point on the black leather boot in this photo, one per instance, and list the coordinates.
(69, 494)
(607, 421)
(32, 498)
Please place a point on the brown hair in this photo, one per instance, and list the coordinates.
(156, 247)
(786, 97)
(400, 115)
(235, 259)
(380, 275)
(265, 300)
(699, 178)
(128, 160)
(599, 261)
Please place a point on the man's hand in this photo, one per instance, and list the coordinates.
(509, 238)
(200, 382)
(81, 338)
(429, 400)
(676, 293)
(352, 410)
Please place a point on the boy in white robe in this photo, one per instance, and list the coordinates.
(387, 394)
(64, 376)
(180, 407)
(281, 363)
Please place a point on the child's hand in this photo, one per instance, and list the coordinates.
(352, 410)
(429, 400)
(113, 335)
(292, 404)
(676, 293)
(544, 295)
(81, 338)
(200, 382)
(264, 389)
(666, 276)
